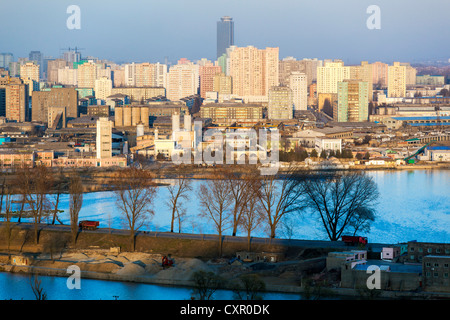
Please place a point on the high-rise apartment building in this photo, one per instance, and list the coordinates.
(353, 101)
(182, 80)
(330, 74)
(104, 138)
(280, 103)
(206, 74)
(298, 83)
(103, 88)
(254, 71)
(363, 72)
(380, 74)
(145, 75)
(222, 84)
(396, 80)
(52, 69)
(37, 57)
(60, 97)
(225, 34)
(411, 73)
(16, 101)
(29, 70)
(87, 74)
(67, 76)
(6, 59)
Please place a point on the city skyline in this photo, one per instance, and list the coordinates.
(303, 30)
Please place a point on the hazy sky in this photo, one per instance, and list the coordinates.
(141, 30)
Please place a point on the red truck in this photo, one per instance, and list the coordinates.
(354, 240)
(88, 225)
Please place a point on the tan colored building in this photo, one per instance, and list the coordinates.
(29, 70)
(56, 97)
(16, 101)
(182, 81)
(52, 69)
(139, 94)
(380, 74)
(363, 73)
(56, 117)
(228, 113)
(298, 83)
(86, 75)
(280, 103)
(67, 76)
(330, 74)
(103, 88)
(396, 80)
(207, 74)
(104, 138)
(254, 71)
(131, 116)
(222, 84)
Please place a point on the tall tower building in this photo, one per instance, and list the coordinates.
(396, 80)
(280, 103)
(37, 57)
(363, 72)
(16, 101)
(380, 74)
(353, 101)
(225, 34)
(207, 73)
(298, 83)
(104, 138)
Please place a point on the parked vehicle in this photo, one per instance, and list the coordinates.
(88, 225)
(354, 240)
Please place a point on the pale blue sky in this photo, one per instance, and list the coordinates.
(140, 30)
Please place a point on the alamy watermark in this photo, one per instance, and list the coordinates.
(374, 280)
(74, 281)
(374, 20)
(74, 20)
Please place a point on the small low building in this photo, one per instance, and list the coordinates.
(21, 260)
(390, 253)
(335, 260)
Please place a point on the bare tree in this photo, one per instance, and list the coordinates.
(23, 183)
(215, 201)
(280, 196)
(240, 191)
(58, 186)
(135, 191)
(7, 215)
(339, 199)
(37, 288)
(362, 219)
(75, 203)
(38, 202)
(252, 215)
(206, 284)
(177, 193)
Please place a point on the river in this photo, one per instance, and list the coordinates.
(413, 205)
(17, 286)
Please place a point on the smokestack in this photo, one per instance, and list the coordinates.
(187, 122)
(175, 122)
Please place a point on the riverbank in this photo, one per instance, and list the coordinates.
(146, 268)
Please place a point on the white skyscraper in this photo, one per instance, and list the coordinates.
(298, 83)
